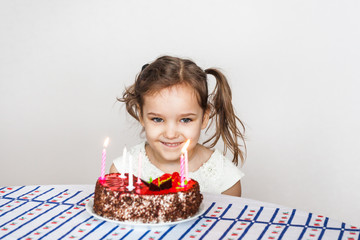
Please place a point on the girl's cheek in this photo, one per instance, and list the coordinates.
(191, 133)
(150, 128)
(154, 130)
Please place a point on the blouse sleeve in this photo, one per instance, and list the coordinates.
(217, 175)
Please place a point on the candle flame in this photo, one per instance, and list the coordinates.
(185, 146)
(106, 142)
(124, 151)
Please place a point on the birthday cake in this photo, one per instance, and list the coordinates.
(164, 199)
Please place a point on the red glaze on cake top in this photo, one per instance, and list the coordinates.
(114, 182)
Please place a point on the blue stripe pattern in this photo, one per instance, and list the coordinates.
(36, 203)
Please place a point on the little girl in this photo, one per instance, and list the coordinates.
(170, 100)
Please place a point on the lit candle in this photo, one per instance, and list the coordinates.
(182, 166)
(130, 187)
(103, 159)
(139, 169)
(122, 175)
(186, 166)
(186, 159)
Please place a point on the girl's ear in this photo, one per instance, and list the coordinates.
(205, 120)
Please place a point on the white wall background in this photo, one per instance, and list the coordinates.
(293, 67)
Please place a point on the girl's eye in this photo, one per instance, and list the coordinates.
(157, 120)
(186, 120)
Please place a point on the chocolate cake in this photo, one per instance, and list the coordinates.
(162, 200)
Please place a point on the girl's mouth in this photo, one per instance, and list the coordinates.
(172, 145)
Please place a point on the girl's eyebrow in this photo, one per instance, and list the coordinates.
(187, 115)
(154, 114)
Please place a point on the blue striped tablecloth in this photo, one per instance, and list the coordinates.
(58, 212)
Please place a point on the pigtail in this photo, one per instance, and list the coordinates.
(222, 111)
(132, 97)
(130, 100)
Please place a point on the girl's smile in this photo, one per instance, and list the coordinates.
(171, 145)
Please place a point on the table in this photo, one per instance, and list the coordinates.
(58, 212)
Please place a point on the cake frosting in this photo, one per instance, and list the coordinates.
(161, 200)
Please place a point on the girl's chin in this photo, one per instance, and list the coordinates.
(169, 157)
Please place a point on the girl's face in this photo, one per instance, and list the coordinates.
(170, 117)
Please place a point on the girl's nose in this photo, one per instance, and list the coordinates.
(171, 132)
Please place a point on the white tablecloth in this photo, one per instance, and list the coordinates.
(58, 212)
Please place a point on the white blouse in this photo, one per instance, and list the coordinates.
(215, 176)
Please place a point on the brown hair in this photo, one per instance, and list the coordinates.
(167, 71)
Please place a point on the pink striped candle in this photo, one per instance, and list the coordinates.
(186, 166)
(186, 159)
(182, 166)
(103, 158)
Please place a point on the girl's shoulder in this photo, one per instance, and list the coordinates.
(217, 163)
(217, 174)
